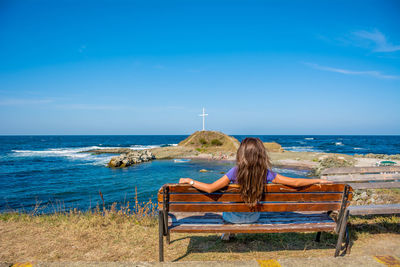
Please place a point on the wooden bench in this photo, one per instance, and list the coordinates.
(184, 209)
(367, 178)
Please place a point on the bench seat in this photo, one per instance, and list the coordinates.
(269, 222)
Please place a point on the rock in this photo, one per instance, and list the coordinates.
(332, 161)
(204, 170)
(364, 195)
(128, 159)
(323, 157)
(273, 147)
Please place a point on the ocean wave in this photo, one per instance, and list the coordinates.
(339, 144)
(309, 138)
(55, 152)
(79, 153)
(358, 148)
(302, 149)
(69, 153)
(142, 147)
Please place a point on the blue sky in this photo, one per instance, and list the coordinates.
(148, 67)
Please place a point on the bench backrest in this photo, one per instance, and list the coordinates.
(276, 198)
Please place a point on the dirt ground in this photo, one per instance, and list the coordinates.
(115, 238)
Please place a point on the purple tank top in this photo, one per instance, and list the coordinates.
(233, 179)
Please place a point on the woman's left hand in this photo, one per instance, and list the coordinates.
(185, 180)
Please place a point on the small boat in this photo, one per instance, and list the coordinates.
(386, 163)
(181, 160)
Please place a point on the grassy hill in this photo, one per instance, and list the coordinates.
(210, 141)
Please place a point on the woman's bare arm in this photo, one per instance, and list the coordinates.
(297, 182)
(209, 188)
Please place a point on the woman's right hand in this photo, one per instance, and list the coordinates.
(321, 181)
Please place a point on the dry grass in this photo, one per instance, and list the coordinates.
(116, 235)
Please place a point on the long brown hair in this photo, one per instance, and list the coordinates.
(253, 164)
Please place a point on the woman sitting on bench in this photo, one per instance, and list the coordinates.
(252, 171)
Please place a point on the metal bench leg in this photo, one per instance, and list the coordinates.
(168, 238)
(318, 237)
(342, 231)
(161, 236)
(347, 245)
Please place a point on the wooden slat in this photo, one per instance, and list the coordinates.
(375, 209)
(254, 228)
(265, 218)
(344, 178)
(294, 197)
(273, 188)
(355, 170)
(376, 185)
(242, 207)
(183, 215)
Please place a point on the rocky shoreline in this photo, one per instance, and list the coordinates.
(211, 145)
(311, 161)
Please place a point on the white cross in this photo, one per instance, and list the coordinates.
(203, 115)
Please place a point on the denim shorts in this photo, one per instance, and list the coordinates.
(241, 217)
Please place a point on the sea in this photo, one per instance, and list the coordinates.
(51, 173)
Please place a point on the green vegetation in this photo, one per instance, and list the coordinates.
(216, 142)
(203, 141)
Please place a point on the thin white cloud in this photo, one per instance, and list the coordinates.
(24, 101)
(372, 73)
(116, 107)
(377, 40)
(93, 107)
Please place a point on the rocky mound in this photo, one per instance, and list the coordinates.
(273, 147)
(210, 141)
(133, 157)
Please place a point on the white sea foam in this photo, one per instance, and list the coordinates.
(142, 147)
(302, 149)
(358, 148)
(309, 138)
(54, 152)
(339, 144)
(70, 153)
(78, 153)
